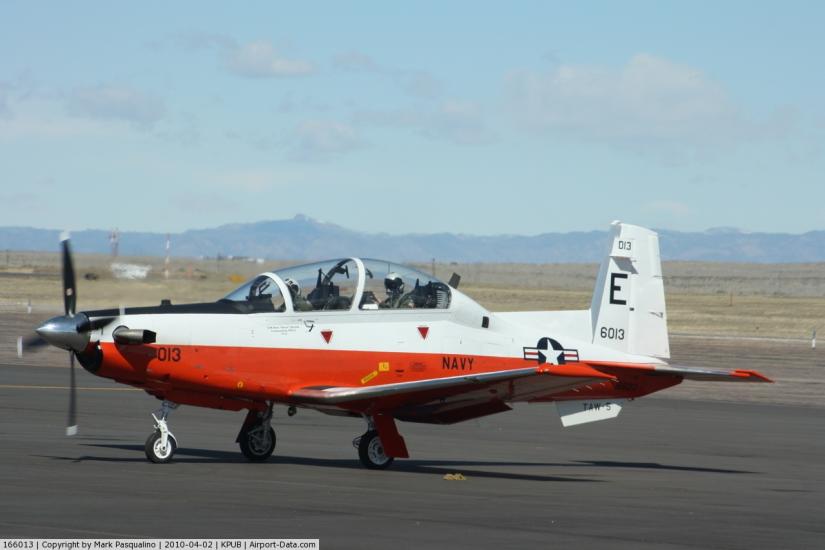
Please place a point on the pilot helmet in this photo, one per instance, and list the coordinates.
(293, 286)
(394, 283)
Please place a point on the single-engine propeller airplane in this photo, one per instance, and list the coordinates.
(377, 340)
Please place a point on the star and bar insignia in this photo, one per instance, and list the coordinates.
(548, 350)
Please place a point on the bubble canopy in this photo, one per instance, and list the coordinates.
(389, 285)
(342, 284)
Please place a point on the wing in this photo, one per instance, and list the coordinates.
(457, 398)
(450, 399)
(335, 395)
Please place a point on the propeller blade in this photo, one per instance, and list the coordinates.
(29, 343)
(71, 427)
(94, 324)
(69, 288)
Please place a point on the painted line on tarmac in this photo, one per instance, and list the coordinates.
(61, 528)
(25, 387)
(738, 338)
(35, 366)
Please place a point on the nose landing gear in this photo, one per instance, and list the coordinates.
(161, 444)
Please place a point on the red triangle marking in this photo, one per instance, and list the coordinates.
(423, 331)
(327, 334)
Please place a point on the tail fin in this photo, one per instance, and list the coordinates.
(628, 309)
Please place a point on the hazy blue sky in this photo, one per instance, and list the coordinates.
(515, 117)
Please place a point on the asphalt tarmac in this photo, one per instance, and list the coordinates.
(666, 474)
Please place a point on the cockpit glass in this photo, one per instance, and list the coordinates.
(322, 286)
(394, 286)
(260, 294)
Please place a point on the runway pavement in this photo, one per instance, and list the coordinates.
(690, 471)
(667, 473)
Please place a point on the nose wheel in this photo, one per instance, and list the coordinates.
(157, 451)
(161, 444)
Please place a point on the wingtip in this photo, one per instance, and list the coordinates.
(752, 374)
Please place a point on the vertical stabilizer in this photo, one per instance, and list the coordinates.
(628, 308)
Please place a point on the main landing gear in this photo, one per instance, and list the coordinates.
(371, 449)
(161, 444)
(257, 438)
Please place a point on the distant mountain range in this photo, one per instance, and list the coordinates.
(304, 238)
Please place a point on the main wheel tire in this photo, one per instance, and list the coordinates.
(156, 453)
(371, 452)
(257, 445)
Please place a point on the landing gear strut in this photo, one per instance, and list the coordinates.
(161, 444)
(371, 450)
(257, 438)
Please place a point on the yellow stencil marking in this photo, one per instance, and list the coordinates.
(369, 377)
(455, 477)
(384, 367)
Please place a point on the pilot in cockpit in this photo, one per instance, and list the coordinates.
(299, 303)
(394, 285)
